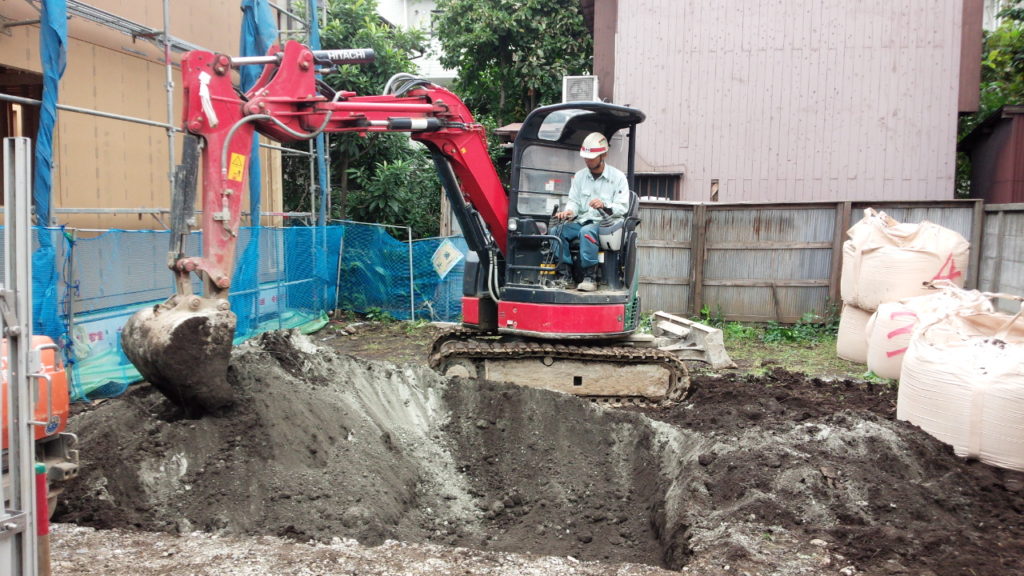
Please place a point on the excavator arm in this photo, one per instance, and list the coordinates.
(183, 345)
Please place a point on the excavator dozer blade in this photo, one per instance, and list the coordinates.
(183, 348)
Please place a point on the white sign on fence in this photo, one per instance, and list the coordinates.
(445, 258)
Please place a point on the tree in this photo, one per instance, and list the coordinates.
(360, 164)
(1002, 66)
(1002, 78)
(511, 55)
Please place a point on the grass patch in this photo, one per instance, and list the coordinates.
(757, 356)
(807, 347)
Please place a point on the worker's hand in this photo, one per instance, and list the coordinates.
(565, 215)
(596, 204)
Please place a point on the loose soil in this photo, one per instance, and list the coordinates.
(346, 436)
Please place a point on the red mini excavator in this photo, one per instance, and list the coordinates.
(519, 325)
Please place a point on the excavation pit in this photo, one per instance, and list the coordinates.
(773, 475)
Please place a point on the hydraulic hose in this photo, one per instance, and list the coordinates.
(493, 289)
(295, 133)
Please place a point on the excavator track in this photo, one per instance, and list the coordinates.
(470, 348)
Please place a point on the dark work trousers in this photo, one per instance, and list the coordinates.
(587, 235)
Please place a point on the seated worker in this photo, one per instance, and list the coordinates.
(598, 191)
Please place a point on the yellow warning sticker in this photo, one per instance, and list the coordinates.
(236, 168)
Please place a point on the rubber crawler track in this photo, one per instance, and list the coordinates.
(461, 342)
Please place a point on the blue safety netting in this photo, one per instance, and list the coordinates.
(302, 274)
(259, 33)
(378, 273)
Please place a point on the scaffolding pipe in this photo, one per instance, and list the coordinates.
(337, 281)
(412, 282)
(285, 11)
(170, 101)
(78, 8)
(369, 224)
(312, 180)
(125, 26)
(163, 211)
(330, 174)
(282, 214)
(31, 102)
(15, 23)
(284, 150)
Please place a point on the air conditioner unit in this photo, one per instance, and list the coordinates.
(579, 89)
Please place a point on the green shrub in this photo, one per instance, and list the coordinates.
(810, 328)
(375, 314)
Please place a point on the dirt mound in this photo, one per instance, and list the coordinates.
(318, 445)
(826, 460)
(778, 475)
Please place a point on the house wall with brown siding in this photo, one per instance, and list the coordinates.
(971, 44)
(103, 163)
(794, 101)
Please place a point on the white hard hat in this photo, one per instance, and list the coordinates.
(594, 145)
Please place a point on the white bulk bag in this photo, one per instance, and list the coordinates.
(888, 334)
(860, 234)
(852, 342)
(885, 261)
(963, 383)
(890, 327)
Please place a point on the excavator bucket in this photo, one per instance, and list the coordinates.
(182, 347)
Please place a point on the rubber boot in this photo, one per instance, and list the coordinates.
(563, 275)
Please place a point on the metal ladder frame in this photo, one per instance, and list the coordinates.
(18, 518)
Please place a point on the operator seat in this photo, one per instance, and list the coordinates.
(617, 241)
(615, 232)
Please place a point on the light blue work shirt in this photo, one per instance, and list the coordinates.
(611, 187)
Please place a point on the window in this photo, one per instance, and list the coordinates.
(660, 186)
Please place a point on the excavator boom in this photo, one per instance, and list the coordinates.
(183, 345)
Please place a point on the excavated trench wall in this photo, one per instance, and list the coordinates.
(319, 446)
(779, 475)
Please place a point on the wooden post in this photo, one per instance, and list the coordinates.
(698, 235)
(997, 266)
(977, 240)
(843, 210)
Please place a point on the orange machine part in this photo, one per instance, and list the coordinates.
(54, 368)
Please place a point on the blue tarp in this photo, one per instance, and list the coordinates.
(53, 38)
(259, 33)
(321, 152)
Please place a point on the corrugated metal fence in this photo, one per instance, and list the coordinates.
(1002, 255)
(776, 262)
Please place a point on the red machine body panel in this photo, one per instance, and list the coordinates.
(470, 310)
(592, 319)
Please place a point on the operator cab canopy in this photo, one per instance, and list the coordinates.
(547, 152)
